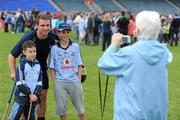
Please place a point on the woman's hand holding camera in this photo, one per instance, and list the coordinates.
(117, 39)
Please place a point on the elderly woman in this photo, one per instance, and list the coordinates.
(141, 88)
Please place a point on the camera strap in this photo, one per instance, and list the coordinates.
(102, 103)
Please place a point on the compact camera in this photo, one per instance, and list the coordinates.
(126, 40)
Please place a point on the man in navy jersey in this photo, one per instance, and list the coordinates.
(44, 40)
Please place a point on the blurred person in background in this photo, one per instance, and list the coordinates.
(122, 23)
(7, 21)
(174, 30)
(106, 26)
(131, 27)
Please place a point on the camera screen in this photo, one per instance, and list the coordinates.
(126, 39)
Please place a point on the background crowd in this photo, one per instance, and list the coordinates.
(91, 27)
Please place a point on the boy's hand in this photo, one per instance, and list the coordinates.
(79, 77)
(33, 98)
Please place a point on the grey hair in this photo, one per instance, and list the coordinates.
(149, 24)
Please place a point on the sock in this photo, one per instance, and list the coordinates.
(41, 118)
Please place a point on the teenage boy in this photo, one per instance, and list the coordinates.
(28, 83)
(65, 65)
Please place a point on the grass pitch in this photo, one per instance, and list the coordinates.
(91, 89)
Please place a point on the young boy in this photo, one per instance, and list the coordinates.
(65, 65)
(28, 83)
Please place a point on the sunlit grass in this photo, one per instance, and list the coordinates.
(91, 89)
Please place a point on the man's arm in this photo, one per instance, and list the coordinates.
(16, 51)
(12, 66)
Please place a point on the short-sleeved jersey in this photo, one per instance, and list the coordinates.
(65, 62)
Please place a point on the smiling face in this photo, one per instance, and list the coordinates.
(30, 53)
(43, 27)
(64, 35)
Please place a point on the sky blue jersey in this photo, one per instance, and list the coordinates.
(65, 62)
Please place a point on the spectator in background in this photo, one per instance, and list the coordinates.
(82, 29)
(122, 23)
(131, 27)
(90, 29)
(165, 27)
(59, 18)
(2, 20)
(174, 30)
(20, 22)
(76, 24)
(141, 71)
(69, 19)
(13, 22)
(97, 23)
(106, 23)
(7, 21)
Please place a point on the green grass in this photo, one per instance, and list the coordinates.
(91, 89)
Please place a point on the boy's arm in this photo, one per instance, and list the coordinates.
(20, 82)
(24, 89)
(39, 86)
(79, 72)
(52, 73)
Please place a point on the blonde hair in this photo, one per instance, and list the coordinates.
(149, 24)
(106, 17)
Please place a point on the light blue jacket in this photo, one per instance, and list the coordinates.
(141, 88)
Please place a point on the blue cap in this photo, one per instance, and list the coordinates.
(64, 26)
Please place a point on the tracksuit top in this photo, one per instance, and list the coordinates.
(28, 80)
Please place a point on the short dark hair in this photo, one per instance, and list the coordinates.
(43, 17)
(28, 44)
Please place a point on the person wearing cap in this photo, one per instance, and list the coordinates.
(65, 65)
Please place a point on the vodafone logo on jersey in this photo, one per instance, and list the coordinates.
(67, 64)
(66, 61)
